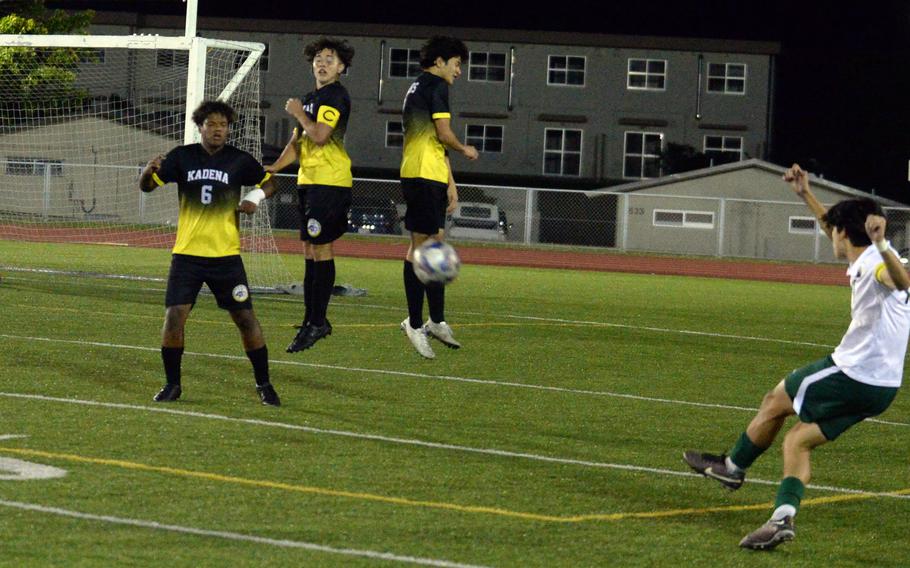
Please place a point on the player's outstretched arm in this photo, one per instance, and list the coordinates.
(798, 179)
(895, 277)
(288, 156)
(146, 180)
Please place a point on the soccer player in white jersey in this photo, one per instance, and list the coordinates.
(859, 380)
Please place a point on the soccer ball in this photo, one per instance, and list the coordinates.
(436, 262)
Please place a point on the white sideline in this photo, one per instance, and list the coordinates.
(413, 442)
(235, 536)
(423, 376)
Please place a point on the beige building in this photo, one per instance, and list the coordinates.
(742, 209)
(82, 170)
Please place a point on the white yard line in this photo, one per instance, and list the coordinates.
(422, 376)
(154, 525)
(361, 305)
(413, 442)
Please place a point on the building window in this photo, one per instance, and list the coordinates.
(394, 134)
(19, 166)
(566, 70)
(802, 225)
(404, 62)
(684, 219)
(642, 154)
(727, 78)
(485, 66)
(723, 149)
(484, 137)
(172, 58)
(562, 152)
(647, 74)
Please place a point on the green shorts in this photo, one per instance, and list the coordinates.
(823, 394)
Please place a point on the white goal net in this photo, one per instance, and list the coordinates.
(79, 121)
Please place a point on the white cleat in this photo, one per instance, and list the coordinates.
(418, 339)
(442, 332)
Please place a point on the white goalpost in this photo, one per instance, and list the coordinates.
(81, 115)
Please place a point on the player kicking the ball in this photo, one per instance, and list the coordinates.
(209, 178)
(859, 380)
(427, 183)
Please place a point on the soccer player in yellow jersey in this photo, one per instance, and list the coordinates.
(323, 181)
(426, 180)
(209, 179)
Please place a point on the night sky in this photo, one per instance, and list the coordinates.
(841, 103)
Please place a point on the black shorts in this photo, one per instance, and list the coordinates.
(324, 211)
(427, 202)
(225, 276)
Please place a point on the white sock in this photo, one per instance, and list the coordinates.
(732, 466)
(783, 511)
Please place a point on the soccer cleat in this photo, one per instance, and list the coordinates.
(769, 535)
(308, 335)
(715, 467)
(267, 395)
(169, 393)
(418, 339)
(442, 332)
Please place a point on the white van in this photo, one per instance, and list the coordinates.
(482, 221)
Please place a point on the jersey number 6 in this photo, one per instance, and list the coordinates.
(206, 196)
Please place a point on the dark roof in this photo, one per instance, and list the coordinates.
(742, 165)
(309, 27)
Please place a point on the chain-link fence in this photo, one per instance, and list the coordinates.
(636, 222)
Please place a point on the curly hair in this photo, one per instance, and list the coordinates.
(850, 215)
(213, 107)
(339, 46)
(441, 46)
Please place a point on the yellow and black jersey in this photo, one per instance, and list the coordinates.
(424, 156)
(328, 164)
(209, 186)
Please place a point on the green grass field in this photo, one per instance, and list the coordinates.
(553, 438)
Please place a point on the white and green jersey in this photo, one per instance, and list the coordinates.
(872, 351)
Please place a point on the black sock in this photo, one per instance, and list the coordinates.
(260, 360)
(436, 298)
(308, 276)
(413, 290)
(322, 290)
(171, 357)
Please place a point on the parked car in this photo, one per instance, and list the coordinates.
(374, 215)
(484, 221)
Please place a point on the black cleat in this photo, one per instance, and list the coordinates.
(769, 535)
(267, 395)
(715, 467)
(169, 393)
(308, 335)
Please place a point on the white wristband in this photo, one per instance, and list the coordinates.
(255, 196)
(882, 246)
